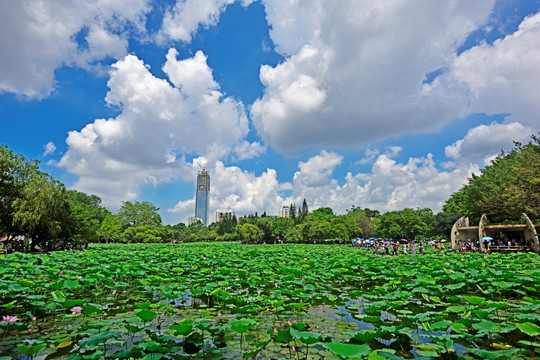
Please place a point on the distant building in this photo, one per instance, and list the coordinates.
(202, 196)
(192, 220)
(221, 215)
(284, 213)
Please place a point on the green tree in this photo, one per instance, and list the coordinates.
(314, 229)
(293, 235)
(227, 225)
(41, 212)
(266, 225)
(444, 222)
(344, 228)
(177, 233)
(324, 213)
(281, 227)
(303, 211)
(407, 223)
(250, 233)
(138, 213)
(200, 232)
(86, 216)
(110, 229)
(505, 189)
(15, 174)
(143, 234)
(292, 212)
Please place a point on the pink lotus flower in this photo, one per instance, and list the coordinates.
(29, 331)
(180, 313)
(76, 310)
(154, 309)
(62, 272)
(452, 271)
(275, 331)
(293, 349)
(10, 319)
(447, 263)
(34, 319)
(485, 256)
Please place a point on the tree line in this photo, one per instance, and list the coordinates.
(34, 204)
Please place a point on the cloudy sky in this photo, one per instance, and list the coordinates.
(382, 104)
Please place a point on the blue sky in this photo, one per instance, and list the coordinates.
(386, 104)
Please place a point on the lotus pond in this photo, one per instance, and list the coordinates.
(233, 301)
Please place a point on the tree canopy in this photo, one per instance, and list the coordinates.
(505, 189)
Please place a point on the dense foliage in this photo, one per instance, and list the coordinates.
(39, 207)
(505, 189)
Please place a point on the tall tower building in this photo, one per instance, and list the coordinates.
(201, 197)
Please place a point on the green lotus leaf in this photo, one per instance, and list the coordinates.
(58, 295)
(426, 279)
(240, 325)
(455, 286)
(366, 336)
(71, 284)
(28, 282)
(146, 315)
(529, 328)
(30, 350)
(306, 337)
(524, 342)
(474, 300)
(498, 354)
(145, 305)
(98, 338)
(486, 326)
(348, 351)
(9, 304)
(502, 284)
(150, 345)
(441, 325)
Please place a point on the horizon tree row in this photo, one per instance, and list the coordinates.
(34, 204)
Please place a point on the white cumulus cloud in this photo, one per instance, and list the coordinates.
(158, 126)
(354, 70)
(183, 19)
(484, 142)
(499, 78)
(38, 37)
(49, 148)
(389, 185)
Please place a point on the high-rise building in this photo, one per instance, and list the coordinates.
(202, 196)
(284, 213)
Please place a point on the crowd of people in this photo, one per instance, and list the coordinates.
(405, 247)
(382, 247)
(19, 244)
